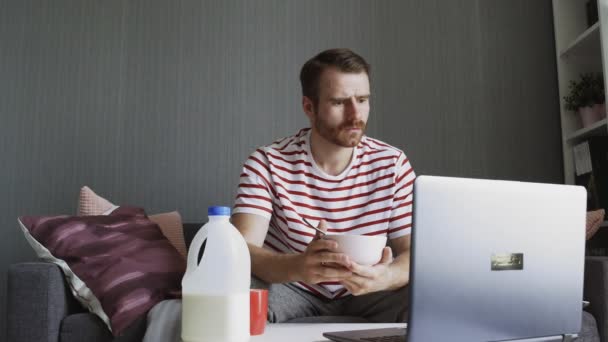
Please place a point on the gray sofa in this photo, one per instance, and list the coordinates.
(596, 292)
(41, 308)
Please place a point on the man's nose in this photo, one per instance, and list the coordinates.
(352, 108)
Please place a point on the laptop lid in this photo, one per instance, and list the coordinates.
(495, 260)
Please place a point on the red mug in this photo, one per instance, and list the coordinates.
(258, 313)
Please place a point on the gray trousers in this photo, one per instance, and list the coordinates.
(287, 302)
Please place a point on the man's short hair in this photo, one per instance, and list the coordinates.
(344, 60)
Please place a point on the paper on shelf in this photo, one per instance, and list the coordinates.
(582, 158)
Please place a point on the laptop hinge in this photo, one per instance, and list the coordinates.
(570, 337)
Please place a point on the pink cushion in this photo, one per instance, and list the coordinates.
(123, 259)
(90, 203)
(170, 225)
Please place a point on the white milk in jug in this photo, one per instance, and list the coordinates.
(215, 292)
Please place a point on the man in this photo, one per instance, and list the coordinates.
(341, 180)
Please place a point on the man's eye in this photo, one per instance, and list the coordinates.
(336, 103)
(362, 99)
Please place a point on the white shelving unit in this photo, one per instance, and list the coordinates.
(598, 128)
(579, 49)
(588, 43)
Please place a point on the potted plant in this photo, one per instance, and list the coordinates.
(587, 98)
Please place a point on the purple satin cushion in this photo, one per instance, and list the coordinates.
(123, 258)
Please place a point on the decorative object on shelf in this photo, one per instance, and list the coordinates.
(592, 15)
(587, 97)
(595, 219)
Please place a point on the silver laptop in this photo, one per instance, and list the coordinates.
(492, 261)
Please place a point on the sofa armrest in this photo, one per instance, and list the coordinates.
(38, 300)
(596, 291)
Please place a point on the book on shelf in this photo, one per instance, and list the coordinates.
(591, 170)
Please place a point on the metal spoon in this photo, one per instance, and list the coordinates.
(313, 227)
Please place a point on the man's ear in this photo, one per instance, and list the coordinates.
(308, 107)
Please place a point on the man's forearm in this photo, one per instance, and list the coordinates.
(273, 267)
(400, 271)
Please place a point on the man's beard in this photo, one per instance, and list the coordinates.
(340, 135)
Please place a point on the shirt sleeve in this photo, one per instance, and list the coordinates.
(400, 223)
(254, 194)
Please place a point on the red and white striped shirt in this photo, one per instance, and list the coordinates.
(372, 196)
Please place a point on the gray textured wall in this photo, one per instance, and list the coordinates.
(157, 103)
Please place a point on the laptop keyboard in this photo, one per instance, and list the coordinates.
(394, 338)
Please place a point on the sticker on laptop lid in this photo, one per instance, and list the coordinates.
(507, 261)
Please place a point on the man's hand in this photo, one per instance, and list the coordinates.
(368, 279)
(320, 262)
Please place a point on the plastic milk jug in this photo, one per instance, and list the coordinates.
(215, 292)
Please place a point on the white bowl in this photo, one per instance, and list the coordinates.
(362, 249)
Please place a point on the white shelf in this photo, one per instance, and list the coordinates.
(588, 43)
(580, 49)
(598, 128)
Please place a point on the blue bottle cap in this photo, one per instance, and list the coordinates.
(218, 211)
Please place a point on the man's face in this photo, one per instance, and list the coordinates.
(341, 114)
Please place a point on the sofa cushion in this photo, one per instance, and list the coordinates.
(171, 226)
(170, 223)
(89, 203)
(589, 332)
(36, 293)
(88, 327)
(118, 266)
